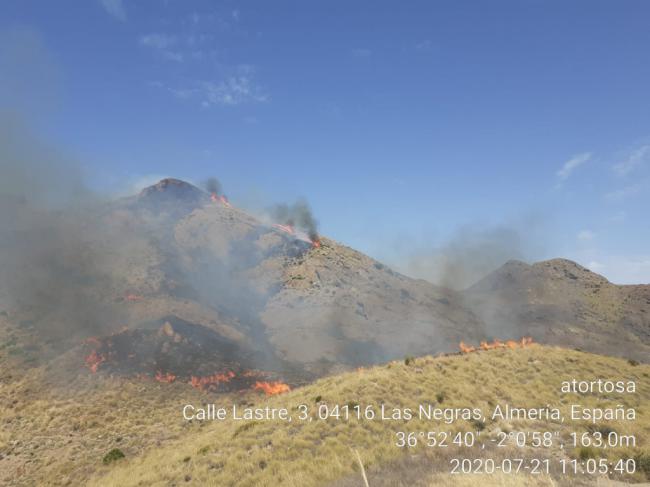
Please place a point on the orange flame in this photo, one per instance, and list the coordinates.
(315, 243)
(496, 343)
(204, 382)
(166, 377)
(465, 348)
(133, 297)
(215, 198)
(271, 388)
(94, 360)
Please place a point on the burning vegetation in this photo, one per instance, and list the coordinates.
(213, 186)
(170, 350)
(271, 388)
(215, 198)
(93, 360)
(211, 381)
(296, 220)
(297, 216)
(181, 352)
(496, 343)
(166, 377)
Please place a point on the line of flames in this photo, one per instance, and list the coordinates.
(215, 379)
(271, 388)
(496, 343)
(205, 382)
(167, 377)
(94, 359)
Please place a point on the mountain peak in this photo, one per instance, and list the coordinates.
(568, 269)
(172, 194)
(176, 187)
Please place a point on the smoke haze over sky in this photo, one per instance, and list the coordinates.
(400, 125)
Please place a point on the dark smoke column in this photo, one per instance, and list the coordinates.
(213, 186)
(300, 215)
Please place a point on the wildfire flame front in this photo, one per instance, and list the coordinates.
(271, 388)
(496, 343)
(209, 381)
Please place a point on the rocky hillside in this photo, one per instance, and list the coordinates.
(176, 254)
(324, 305)
(341, 305)
(560, 302)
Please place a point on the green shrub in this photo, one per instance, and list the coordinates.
(112, 456)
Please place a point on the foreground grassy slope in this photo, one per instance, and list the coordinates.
(320, 452)
(52, 434)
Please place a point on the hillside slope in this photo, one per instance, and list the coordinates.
(174, 254)
(560, 302)
(319, 452)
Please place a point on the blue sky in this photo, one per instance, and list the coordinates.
(400, 124)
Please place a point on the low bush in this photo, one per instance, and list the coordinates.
(112, 456)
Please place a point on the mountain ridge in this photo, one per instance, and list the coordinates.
(173, 250)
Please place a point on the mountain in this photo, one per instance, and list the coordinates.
(150, 278)
(115, 315)
(322, 305)
(340, 305)
(560, 302)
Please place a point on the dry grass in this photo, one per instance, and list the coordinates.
(318, 452)
(54, 433)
